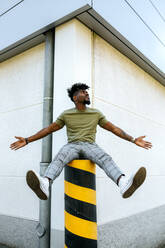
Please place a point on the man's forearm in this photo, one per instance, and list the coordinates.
(44, 132)
(118, 131)
(41, 134)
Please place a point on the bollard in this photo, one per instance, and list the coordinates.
(80, 205)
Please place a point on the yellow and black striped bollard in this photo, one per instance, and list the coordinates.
(80, 205)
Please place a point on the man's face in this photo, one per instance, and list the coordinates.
(83, 97)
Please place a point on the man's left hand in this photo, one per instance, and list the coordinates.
(142, 143)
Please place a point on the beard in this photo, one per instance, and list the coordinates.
(87, 102)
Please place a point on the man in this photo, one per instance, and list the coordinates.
(81, 123)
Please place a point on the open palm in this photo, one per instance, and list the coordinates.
(142, 143)
(18, 144)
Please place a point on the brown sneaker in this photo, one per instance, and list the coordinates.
(38, 184)
(129, 185)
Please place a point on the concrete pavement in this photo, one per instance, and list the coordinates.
(143, 230)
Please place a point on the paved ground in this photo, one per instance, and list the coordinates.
(144, 230)
(18, 233)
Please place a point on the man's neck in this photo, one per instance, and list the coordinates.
(80, 106)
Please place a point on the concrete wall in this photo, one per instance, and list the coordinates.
(134, 101)
(21, 92)
(131, 99)
(73, 49)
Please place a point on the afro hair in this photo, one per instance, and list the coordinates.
(76, 87)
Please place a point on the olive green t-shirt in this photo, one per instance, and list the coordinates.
(81, 124)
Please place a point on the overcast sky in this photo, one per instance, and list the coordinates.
(142, 22)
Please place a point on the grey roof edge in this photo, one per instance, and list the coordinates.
(21, 47)
(101, 27)
(38, 36)
(88, 16)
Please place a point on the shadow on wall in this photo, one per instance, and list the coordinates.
(144, 230)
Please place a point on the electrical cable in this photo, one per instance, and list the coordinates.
(11, 8)
(157, 10)
(162, 43)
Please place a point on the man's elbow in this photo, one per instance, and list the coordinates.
(110, 127)
(54, 127)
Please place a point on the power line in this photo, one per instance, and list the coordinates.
(11, 8)
(157, 10)
(145, 23)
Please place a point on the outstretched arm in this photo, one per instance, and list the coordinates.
(119, 132)
(42, 133)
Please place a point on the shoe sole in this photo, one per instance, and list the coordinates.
(34, 183)
(138, 180)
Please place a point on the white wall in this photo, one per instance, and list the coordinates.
(21, 93)
(72, 64)
(134, 101)
(130, 98)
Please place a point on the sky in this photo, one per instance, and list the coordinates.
(141, 22)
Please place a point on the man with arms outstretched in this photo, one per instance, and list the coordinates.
(81, 123)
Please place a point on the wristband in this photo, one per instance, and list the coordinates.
(133, 140)
(26, 140)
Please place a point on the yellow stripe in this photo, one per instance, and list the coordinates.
(65, 246)
(86, 165)
(80, 193)
(80, 227)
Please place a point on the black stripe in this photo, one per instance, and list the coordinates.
(80, 209)
(74, 241)
(80, 177)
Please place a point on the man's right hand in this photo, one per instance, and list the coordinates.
(42, 133)
(18, 144)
